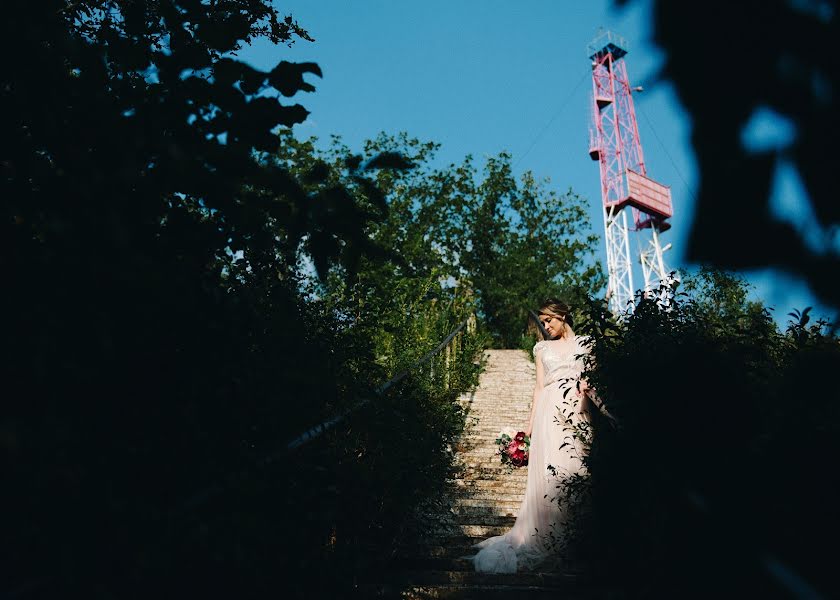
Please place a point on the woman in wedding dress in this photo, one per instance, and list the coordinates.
(560, 407)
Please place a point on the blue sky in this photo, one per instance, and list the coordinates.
(483, 76)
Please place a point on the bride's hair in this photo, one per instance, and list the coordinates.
(556, 308)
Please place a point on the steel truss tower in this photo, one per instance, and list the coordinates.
(614, 142)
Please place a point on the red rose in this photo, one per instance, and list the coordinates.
(519, 458)
(520, 437)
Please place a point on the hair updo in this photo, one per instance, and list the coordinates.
(556, 308)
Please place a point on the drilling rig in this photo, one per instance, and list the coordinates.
(614, 142)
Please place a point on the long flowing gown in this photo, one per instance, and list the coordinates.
(555, 456)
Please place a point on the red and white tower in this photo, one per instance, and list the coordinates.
(614, 142)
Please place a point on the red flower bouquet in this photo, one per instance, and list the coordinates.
(514, 448)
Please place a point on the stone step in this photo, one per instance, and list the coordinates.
(504, 396)
(483, 531)
(479, 525)
(458, 543)
(453, 562)
(503, 400)
(489, 496)
(491, 430)
(462, 585)
(498, 499)
(475, 516)
(436, 548)
(475, 485)
(464, 576)
(494, 428)
(482, 501)
(481, 453)
(491, 489)
(487, 437)
(493, 469)
(507, 410)
(495, 474)
(489, 514)
(477, 449)
(444, 533)
(490, 433)
(491, 463)
(486, 455)
(398, 591)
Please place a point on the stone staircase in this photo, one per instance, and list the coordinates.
(483, 501)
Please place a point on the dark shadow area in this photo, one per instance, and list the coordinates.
(161, 345)
(729, 63)
(720, 480)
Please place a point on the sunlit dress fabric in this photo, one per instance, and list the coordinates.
(540, 522)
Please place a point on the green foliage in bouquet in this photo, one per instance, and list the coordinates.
(513, 450)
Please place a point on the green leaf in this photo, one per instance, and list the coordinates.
(287, 77)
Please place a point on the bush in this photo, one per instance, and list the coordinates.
(721, 477)
(360, 484)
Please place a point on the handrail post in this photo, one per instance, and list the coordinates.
(447, 351)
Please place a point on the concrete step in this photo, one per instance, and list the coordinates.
(482, 501)
(461, 585)
(461, 503)
(481, 453)
(477, 485)
(489, 463)
(494, 470)
(491, 496)
(483, 531)
(504, 502)
(444, 533)
(464, 576)
(491, 514)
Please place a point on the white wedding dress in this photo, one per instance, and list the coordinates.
(555, 456)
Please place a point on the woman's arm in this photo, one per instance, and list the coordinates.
(537, 389)
(589, 396)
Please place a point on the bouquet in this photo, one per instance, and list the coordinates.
(514, 448)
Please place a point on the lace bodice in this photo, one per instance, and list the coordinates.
(559, 359)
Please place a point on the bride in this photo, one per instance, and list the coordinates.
(561, 405)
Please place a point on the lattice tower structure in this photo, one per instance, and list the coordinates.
(614, 142)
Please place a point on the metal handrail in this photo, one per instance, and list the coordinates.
(218, 487)
(533, 315)
(317, 430)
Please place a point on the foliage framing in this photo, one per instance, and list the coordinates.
(158, 350)
(720, 473)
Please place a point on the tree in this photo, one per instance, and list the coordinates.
(510, 243)
(527, 243)
(157, 345)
